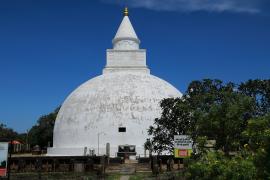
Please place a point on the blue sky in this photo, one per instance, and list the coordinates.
(49, 47)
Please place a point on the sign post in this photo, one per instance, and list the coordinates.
(3, 158)
(182, 146)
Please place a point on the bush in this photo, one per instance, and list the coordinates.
(214, 165)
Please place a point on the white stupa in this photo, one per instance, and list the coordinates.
(116, 107)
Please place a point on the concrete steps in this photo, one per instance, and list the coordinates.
(128, 168)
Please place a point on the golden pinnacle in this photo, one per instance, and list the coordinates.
(126, 11)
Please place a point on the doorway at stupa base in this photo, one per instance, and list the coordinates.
(126, 151)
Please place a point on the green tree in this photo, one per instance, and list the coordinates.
(42, 133)
(3, 164)
(258, 134)
(7, 134)
(225, 120)
(233, 116)
(209, 109)
(175, 120)
(260, 91)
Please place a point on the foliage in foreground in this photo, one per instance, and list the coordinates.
(251, 162)
(214, 165)
(258, 135)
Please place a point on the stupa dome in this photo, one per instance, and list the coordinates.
(116, 107)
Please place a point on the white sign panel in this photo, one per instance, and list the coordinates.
(3, 158)
(182, 142)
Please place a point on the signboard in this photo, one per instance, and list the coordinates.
(3, 158)
(182, 146)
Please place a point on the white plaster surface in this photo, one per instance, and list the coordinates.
(103, 104)
(125, 30)
(133, 58)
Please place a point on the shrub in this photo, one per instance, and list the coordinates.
(214, 165)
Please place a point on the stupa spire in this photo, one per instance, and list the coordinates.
(126, 55)
(126, 33)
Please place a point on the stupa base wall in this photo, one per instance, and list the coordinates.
(84, 151)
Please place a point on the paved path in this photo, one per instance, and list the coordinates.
(124, 178)
(126, 170)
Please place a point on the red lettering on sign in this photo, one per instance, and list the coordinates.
(182, 152)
